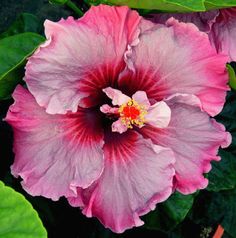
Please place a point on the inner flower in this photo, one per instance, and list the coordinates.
(134, 112)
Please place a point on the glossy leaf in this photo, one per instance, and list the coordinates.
(18, 219)
(232, 76)
(169, 213)
(219, 3)
(170, 5)
(13, 52)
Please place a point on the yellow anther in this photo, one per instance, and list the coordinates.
(132, 113)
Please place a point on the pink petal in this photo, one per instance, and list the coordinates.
(158, 115)
(119, 127)
(118, 98)
(173, 65)
(141, 98)
(126, 190)
(223, 33)
(54, 154)
(108, 109)
(203, 20)
(195, 139)
(81, 57)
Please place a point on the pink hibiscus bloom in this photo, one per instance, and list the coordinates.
(117, 114)
(219, 24)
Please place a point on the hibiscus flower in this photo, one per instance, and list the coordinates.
(117, 114)
(220, 25)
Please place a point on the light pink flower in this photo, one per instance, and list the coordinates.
(117, 114)
(219, 24)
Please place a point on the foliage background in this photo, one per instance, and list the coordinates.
(195, 216)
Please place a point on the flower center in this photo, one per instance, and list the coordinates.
(132, 113)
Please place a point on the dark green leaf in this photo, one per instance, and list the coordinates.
(229, 220)
(208, 208)
(169, 213)
(13, 52)
(18, 219)
(24, 23)
(223, 173)
(213, 208)
(227, 117)
(58, 1)
(226, 235)
(170, 5)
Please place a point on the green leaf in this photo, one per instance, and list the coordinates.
(58, 1)
(24, 23)
(170, 5)
(229, 220)
(13, 52)
(164, 5)
(228, 114)
(169, 213)
(18, 219)
(223, 173)
(220, 3)
(232, 76)
(213, 208)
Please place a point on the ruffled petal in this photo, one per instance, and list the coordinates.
(173, 65)
(203, 20)
(126, 190)
(54, 154)
(195, 139)
(117, 97)
(81, 57)
(158, 115)
(223, 33)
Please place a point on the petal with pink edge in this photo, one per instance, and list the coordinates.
(173, 65)
(195, 139)
(223, 33)
(126, 190)
(54, 154)
(158, 115)
(81, 57)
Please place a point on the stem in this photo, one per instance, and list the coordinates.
(71, 5)
(219, 232)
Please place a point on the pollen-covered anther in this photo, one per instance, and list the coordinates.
(132, 113)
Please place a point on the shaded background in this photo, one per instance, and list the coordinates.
(10, 9)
